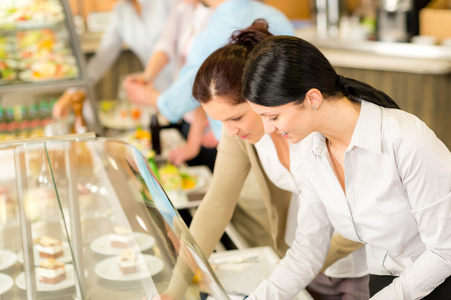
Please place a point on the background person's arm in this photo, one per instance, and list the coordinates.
(156, 63)
(109, 49)
(215, 212)
(194, 140)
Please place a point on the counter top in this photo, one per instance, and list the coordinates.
(241, 271)
(400, 57)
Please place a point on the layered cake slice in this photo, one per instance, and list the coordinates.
(128, 262)
(122, 238)
(49, 247)
(51, 271)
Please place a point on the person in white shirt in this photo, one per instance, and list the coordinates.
(375, 173)
(217, 87)
(137, 24)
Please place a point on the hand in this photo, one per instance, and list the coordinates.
(180, 155)
(160, 297)
(135, 78)
(209, 140)
(62, 106)
(143, 93)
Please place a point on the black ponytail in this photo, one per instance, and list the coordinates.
(282, 69)
(356, 90)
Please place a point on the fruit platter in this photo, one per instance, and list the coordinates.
(30, 14)
(7, 70)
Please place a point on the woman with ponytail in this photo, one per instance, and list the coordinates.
(375, 173)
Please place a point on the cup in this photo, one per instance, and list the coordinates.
(424, 40)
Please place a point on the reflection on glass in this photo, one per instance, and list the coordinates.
(105, 230)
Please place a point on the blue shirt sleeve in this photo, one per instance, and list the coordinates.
(178, 99)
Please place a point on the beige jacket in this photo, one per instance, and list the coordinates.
(234, 160)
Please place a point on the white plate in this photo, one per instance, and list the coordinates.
(37, 24)
(7, 259)
(5, 81)
(112, 121)
(44, 287)
(200, 183)
(67, 257)
(109, 268)
(102, 244)
(6, 283)
(27, 76)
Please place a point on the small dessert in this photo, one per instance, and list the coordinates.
(85, 197)
(49, 247)
(122, 238)
(51, 271)
(7, 206)
(127, 262)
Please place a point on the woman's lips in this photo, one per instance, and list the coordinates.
(244, 136)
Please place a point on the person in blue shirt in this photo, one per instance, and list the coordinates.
(228, 16)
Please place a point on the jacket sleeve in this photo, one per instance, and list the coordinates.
(109, 49)
(217, 207)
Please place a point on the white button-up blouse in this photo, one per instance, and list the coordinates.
(353, 265)
(397, 202)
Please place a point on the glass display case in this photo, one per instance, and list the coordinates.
(85, 218)
(40, 58)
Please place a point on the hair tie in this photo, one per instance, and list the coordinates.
(340, 80)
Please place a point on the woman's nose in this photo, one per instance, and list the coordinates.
(232, 130)
(269, 128)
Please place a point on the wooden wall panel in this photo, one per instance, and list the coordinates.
(107, 87)
(293, 9)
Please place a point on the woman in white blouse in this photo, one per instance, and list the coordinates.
(373, 172)
(217, 87)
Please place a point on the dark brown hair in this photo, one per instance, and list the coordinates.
(220, 74)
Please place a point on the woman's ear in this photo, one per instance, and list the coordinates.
(314, 98)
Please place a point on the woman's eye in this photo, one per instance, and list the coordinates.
(274, 118)
(236, 119)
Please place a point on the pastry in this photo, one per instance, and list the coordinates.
(127, 262)
(122, 238)
(51, 271)
(49, 247)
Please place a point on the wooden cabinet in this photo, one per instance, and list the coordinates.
(293, 9)
(84, 7)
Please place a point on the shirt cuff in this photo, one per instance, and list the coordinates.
(267, 290)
